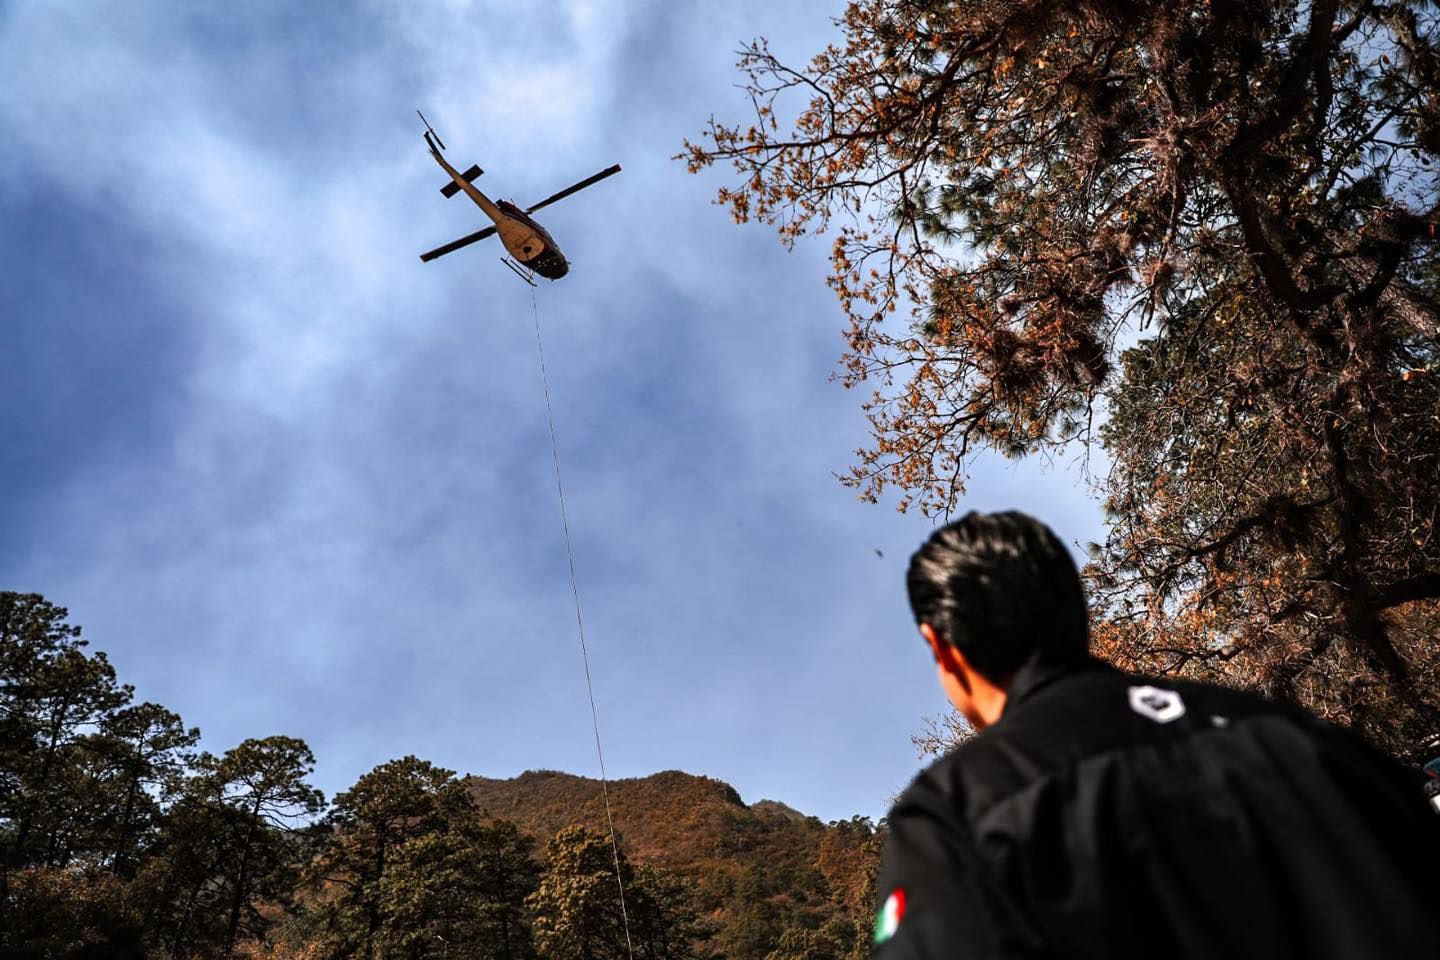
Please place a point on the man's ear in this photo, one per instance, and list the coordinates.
(952, 661)
(932, 638)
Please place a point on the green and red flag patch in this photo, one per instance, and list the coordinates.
(887, 921)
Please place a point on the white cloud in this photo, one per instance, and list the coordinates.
(351, 535)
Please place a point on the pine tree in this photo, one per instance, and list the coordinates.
(387, 817)
(577, 907)
(666, 923)
(230, 845)
(578, 913)
(146, 750)
(54, 697)
(460, 894)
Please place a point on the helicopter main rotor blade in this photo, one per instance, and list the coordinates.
(608, 171)
(454, 245)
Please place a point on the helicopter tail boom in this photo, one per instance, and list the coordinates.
(462, 182)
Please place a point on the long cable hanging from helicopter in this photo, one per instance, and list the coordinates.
(580, 623)
(533, 251)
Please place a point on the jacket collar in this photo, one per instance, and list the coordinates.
(1034, 675)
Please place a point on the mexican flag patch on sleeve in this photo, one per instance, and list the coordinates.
(887, 921)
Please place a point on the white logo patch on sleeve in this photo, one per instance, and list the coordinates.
(1159, 705)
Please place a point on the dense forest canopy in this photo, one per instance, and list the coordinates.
(120, 838)
(1199, 233)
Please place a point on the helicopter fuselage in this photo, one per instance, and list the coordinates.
(528, 242)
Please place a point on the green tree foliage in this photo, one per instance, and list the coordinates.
(55, 698)
(578, 910)
(757, 914)
(390, 816)
(833, 941)
(751, 871)
(577, 907)
(665, 917)
(147, 750)
(72, 913)
(1249, 189)
(850, 862)
(460, 893)
(121, 841)
(187, 902)
(231, 844)
(261, 787)
(114, 834)
(83, 773)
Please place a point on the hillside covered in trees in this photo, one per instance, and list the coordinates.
(763, 876)
(121, 838)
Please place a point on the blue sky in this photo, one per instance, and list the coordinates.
(294, 481)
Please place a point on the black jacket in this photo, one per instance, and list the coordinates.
(1110, 816)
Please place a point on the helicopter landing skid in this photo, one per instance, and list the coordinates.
(519, 271)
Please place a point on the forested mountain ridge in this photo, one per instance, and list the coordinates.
(671, 817)
(763, 874)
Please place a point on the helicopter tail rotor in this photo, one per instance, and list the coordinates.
(451, 187)
(430, 130)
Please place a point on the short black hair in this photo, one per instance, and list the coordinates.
(1002, 589)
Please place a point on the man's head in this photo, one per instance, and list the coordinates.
(1000, 589)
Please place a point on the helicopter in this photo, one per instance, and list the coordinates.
(531, 248)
